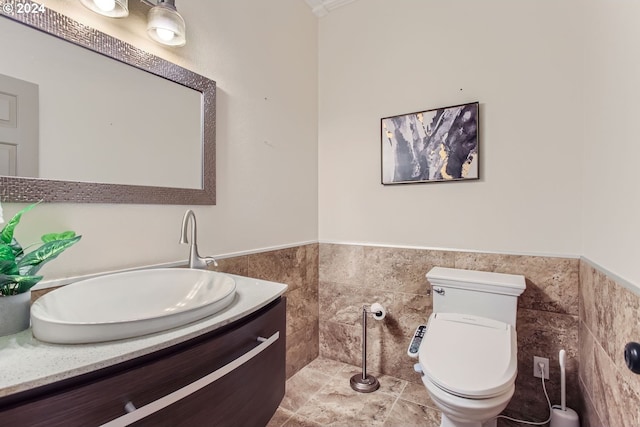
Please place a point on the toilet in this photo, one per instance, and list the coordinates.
(468, 357)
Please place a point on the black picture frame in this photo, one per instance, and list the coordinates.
(437, 145)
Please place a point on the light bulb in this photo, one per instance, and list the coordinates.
(105, 5)
(110, 8)
(165, 25)
(166, 35)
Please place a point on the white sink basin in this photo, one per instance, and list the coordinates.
(125, 305)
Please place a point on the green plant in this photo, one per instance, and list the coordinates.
(18, 269)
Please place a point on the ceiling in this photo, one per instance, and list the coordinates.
(322, 7)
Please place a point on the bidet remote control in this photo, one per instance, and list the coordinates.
(412, 351)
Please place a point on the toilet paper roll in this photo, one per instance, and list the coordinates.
(378, 311)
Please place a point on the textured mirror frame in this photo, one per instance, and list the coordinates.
(16, 189)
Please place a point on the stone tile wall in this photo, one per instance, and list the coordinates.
(609, 318)
(298, 268)
(328, 284)
(351, 275)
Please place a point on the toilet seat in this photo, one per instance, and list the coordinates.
(469, 356)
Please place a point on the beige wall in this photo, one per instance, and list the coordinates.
(520, 60)
(263, 56)
(611, 199)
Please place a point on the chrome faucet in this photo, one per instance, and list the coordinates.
(195, 260)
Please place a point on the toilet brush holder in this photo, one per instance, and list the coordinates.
(561, 416)
(564, 418)
(366, 383)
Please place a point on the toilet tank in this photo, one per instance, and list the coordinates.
(481, 293)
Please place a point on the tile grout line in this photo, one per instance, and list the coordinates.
(287, 420)
(394, 403)
(330, 377)
(588, 396)
(415, 401)
(307, 401)
(588, 390)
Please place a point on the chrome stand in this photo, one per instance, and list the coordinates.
(364, 383)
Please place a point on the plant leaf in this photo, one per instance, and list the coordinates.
(8, 267)
(6, 253)
(22, 283)
(33, 261)
(27, 282)
(6, 235)
(58, 236)
(16, 248)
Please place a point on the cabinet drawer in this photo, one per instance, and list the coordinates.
(99, 397)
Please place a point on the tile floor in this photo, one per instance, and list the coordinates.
(320, 395)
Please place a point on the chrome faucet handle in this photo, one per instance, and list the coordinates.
(196, 261)
(210, 260)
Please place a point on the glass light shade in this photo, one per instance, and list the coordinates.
(166, 26)
(110, 8)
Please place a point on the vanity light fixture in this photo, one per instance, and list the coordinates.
(164, 24)
(110, 8)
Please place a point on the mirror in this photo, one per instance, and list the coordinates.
(155, 120)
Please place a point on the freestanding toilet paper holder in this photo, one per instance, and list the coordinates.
(366, 383)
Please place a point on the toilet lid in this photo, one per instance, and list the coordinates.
(469, 356)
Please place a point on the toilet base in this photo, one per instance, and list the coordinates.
(461, 412)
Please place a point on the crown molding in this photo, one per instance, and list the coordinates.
(321, 8)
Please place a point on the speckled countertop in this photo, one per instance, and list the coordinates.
(26, 362)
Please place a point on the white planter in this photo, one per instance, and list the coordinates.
(15, 313)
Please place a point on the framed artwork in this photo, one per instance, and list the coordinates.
(431, 146)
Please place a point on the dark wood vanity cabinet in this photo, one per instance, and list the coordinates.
(246, 396)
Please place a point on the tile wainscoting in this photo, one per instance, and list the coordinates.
(297, 267)
(569, 303)
(609, 318)
(350, 275)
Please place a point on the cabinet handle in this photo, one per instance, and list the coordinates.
(189, 389)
